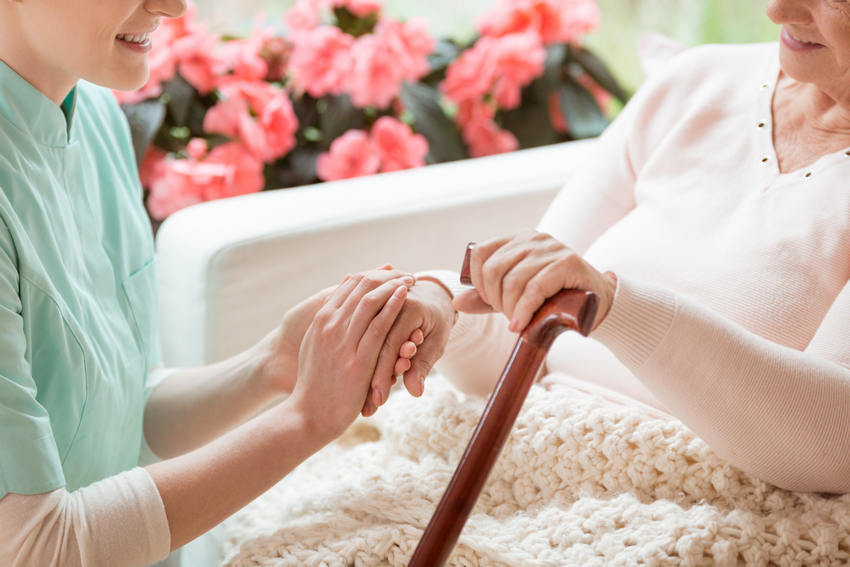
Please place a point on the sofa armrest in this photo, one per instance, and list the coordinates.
(229, 269)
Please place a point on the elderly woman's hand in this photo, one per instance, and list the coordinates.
(516, 275)
(279, 349)
(424, 324)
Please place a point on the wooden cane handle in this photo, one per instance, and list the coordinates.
(569, 309)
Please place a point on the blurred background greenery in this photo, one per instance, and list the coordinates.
(623, 22)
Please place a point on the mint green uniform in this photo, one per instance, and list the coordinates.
(78, 326)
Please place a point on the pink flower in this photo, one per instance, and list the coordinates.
(395, 52)
(304, 16)
(552, 20)
(500, 66)
(398, 147)
(520, 61)
(351, 155)
(320, 60)
(271, 134)
(375, 77)
(410, 43)
(474, 109)
(360, 8)
(196, 61)
(197, 148)
(152, 165)
(480, 131)
(245, 176)
(229, 170)
(174, 188)
(243, 57)
(584, 17)
(471, 75)
(485, 138)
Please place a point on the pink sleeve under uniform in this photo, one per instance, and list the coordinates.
(732, 311)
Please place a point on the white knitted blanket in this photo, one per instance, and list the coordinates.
(580, 482)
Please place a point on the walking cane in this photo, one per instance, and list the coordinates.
(568, 309)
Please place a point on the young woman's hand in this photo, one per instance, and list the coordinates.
(340, 349)
(279, 349)
(517, 274)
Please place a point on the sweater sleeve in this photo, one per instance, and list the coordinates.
(119, 521)
(601, 192)
(595, 198)
(780, 414)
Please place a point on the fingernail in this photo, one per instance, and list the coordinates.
(376, 396)
(421, 385)
(408, 280)
(513, 326)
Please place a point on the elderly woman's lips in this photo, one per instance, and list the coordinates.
(797, 44)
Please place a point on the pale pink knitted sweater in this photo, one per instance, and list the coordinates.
(733, 306)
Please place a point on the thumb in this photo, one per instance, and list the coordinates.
(470, 302)
(420, 365)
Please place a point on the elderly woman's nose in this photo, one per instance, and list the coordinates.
(790, 11)
(166, 8)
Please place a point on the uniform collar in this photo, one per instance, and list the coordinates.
(30, 111)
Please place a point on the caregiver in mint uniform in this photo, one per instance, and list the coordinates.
(78, 328)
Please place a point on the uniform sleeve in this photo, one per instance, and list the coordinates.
(29, 458)
(780, 414)
(119, 521)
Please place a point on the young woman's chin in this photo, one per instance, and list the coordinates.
(126, 80)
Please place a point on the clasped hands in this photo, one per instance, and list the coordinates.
(513, 275)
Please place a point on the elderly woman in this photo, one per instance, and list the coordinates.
(78, 332)
(718, 203)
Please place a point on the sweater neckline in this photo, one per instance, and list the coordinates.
(768, 157)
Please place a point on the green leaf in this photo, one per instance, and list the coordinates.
(306, 111)
(298, 168)
(144, 118)
(444, 53)
(337, 116)
(530, 123)
(352, 24)
(598, 71)
(543, 86)
(584, 117)
(430, 120)
(180, 96)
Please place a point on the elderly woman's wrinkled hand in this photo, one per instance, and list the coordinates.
(517, 274)
(421, 331)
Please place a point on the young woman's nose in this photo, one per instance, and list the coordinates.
(166, 8)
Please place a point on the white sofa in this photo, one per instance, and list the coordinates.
(228, 270)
